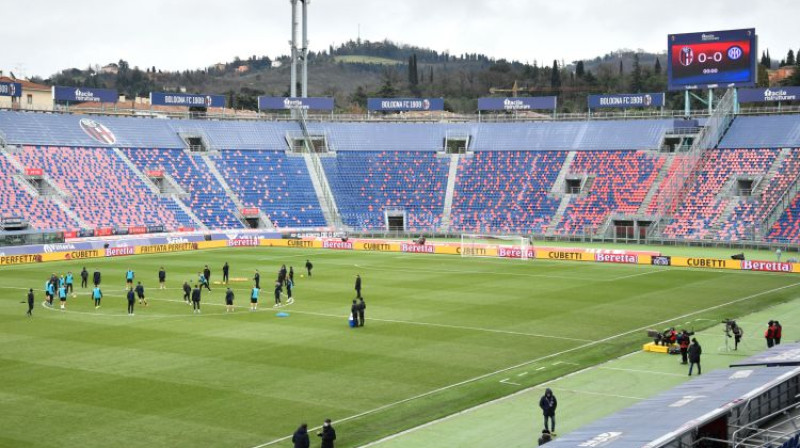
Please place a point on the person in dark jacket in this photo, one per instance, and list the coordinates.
(30, 302)
(694, 356)
(140, 294)
(291, 274)
(96, 278)
(282, 273)
(328, 434)
(737, 336)
(354, 312)
(84, 278)
(225, 271)
(162, 277)
(769, 335)
(131, 301)
(196, 299)
(187, 293)
(361, 308)
(229, 301)
(358, 286)
(309, 267)
(207, 274)
(548, 403)
(300, 437)
(776, 333)
(257, 279)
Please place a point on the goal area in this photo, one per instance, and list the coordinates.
(503, 246)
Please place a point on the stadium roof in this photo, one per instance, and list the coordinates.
(658, 420)
(779, 355)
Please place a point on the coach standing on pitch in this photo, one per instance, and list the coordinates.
(328, 434)
(358, 286)
(225, 270)
(548, 403)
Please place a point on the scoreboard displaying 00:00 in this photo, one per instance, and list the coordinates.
(712, 59)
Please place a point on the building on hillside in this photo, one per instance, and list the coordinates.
(34, 96)
(779, 74)
(110, 69)
(242, 69)
(219, 67)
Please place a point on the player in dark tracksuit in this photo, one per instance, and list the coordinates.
(207, 274)
(162, 278)
(225, 269)
(187, 292)
(278, 289)
(196, 299)
(84, 278)
(30, 302)
(96, 278)
(140, 293)
(131, 301)
(291, 274)
(361, 308)
(354, 312)
(358, 286)
(309, 267)
(257, 279)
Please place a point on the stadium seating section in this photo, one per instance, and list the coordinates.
(507, 183)
(366, 183)
(506, 191)
(277, 184)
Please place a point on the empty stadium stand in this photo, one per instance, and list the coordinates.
(277, 184)
(206, 196)
(507, 191)
(38, 211)
(366, 183)
(100, 189)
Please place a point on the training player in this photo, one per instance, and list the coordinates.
(257, 279)
(282, 274)
(203, 280)
(229, 301)
(187, 293)
(69, 279)
(289, 286)
(48, 293)
(96, 278)
(129, 278)
(358, 286)
(225, 269)
(207, 274)
(97, 295)
(162, 277)
(291, 274)
(361, 308)
(84, 278)
(131, 301)
(62, 296)
(309, 267)
(196, 299)
(254, 298)
(30, 302)
(278, 289)
(140, 294)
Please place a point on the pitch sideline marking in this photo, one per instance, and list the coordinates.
(541, 358)
(651, 372)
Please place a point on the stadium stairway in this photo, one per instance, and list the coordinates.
(212, 168)
(448, 197)
(322, 188)
(558, 216)
(645, 208)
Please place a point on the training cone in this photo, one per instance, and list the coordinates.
(282, 314)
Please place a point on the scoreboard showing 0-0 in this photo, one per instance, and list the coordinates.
(712, 59)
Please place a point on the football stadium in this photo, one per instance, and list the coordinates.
(185, 274)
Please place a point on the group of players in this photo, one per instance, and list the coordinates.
(62, 286)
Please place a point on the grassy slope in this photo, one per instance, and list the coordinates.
(166, 377)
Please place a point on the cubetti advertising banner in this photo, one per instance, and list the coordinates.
(283, 103)
(405, 104)
(769, 95)
(186, 99)
(84, 95)
(515, 104)
(10, 89)
(627, 100)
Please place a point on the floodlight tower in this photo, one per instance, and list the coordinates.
(293, 43)
(304, 50)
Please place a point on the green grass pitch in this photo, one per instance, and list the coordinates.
(441, 332)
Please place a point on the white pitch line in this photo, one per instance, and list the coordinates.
(527, 363)
(651, 372)
(655, 271)
(506, 381)
(454, 327)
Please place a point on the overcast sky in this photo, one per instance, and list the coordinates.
(44, 36)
